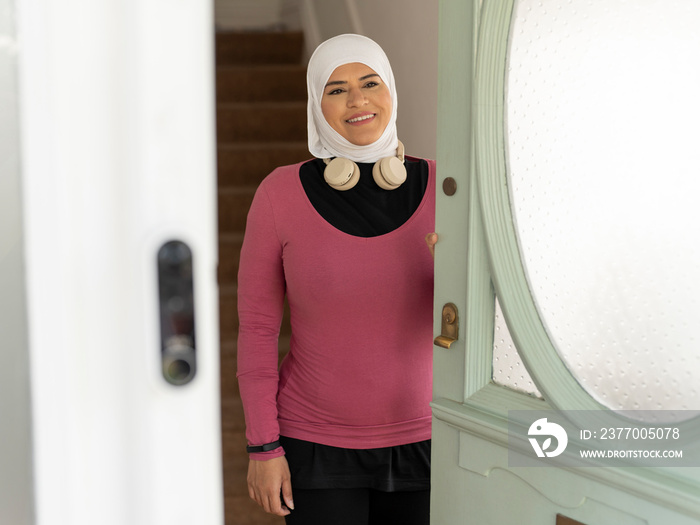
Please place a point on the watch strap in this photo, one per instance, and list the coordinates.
(263, 448)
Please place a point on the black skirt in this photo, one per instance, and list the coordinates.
(389, 469)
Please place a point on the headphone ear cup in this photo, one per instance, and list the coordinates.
(341, 174)
(389, 173)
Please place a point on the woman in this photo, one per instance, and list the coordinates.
(341, 433)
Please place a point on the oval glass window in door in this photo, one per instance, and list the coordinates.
(603, 152)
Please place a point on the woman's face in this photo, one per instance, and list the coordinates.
(356, 103)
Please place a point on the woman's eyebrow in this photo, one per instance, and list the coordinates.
(335, 83)
(340, 82)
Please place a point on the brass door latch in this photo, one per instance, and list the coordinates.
(450, 326)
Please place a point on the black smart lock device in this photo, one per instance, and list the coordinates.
(177, 322)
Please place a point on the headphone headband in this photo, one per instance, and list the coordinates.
(389, 173)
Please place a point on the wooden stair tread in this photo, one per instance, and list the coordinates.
(228, 290)
(277, 47)
(259, 122)
(247, 146)
(238, 190)
(222, 68)
(230, 237)
(258, 106)
(261, 83)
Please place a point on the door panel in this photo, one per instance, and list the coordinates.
(116, 118)
(478, 258)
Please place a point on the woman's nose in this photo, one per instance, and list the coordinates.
(356, 98)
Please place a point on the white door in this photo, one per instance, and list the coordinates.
(569, 130)
(115, 117)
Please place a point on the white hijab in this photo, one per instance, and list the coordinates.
(324, 141)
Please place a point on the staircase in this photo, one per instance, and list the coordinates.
(261, 124)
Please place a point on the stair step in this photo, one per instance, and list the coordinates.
(248, 164)
(283, 47)
(231, 406)
(280, 83)
(228, 314)
(229, 386)
(229, 253)
(261, 122)
(234, 204)
(232, 442)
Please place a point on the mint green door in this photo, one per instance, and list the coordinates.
(568, 130)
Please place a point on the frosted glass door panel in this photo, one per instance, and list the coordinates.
(508, 367)
(603, 148)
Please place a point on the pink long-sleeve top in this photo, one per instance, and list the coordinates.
(359, 369)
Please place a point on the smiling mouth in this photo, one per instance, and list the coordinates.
(360, 119)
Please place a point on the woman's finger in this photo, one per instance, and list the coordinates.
(431, 239)
(287, 493)
(274, 505)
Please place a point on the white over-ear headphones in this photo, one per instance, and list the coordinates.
(389, 173)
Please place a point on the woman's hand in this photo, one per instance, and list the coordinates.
(266, 481)
(431, 239)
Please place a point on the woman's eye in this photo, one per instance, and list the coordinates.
(335, 92)
(371, 84)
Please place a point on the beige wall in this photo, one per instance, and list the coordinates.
(407, 30)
